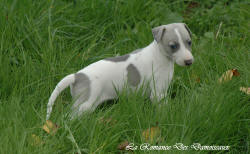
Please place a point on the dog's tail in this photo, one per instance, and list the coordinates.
(64, 83)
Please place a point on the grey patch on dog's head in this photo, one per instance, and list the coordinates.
(187, 40)
(118, 58)
(136, 51)
(133, 75)
(80, 89)
(185, 35)
(169, 37)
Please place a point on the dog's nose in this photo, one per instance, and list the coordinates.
(188, 62)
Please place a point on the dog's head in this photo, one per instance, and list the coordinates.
(174, 41)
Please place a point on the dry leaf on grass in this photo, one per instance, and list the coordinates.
(151, 133)
(195, 78)
(227, 76)
(123, 145)
(246, 90)
(50, 127)
(36, 140)
(107, 120)
(191, 7)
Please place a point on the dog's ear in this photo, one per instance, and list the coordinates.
(158, 32)
(189, 32)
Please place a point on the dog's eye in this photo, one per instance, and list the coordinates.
(173, 46)
(189, 42)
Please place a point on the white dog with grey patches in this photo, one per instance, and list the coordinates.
(155, 63)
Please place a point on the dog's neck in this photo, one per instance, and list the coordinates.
(157, 57)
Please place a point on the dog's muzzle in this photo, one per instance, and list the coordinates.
(188, 62)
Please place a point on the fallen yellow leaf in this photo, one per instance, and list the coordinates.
(107, 120)
(195, 78)
(227, 76)
(36, 140)
(235, 72)
(151, 133)
(123, 145)
(245, 90)
(50, 127)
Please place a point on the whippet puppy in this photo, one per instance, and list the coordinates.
(101, 80)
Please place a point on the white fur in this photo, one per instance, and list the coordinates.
(64, 83)
(183, 54)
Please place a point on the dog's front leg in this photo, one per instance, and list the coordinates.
(159, 98)
(159, 88)
(158, 94)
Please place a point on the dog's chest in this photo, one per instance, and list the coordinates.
(151, 67)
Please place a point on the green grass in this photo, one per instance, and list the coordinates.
(42, 41)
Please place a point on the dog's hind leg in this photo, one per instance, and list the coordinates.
(88, 106)
(80, 107)
(91, 104)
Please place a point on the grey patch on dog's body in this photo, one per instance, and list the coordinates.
(133, 75)
(118, 58)
(136, 51)
(80, 89)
